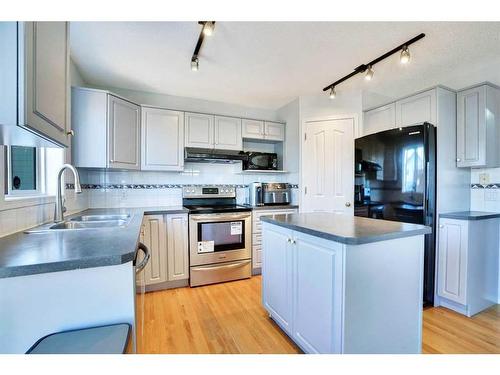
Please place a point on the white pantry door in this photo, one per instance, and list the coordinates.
(328, 166)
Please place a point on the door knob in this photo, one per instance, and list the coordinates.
(348, 204)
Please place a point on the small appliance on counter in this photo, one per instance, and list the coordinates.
(260, 161)
(269, 193)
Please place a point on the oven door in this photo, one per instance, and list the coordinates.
(216, 238)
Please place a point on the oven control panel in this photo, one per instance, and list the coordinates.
(209, 191)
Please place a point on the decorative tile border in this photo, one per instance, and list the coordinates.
(489, 186)
(154, 186)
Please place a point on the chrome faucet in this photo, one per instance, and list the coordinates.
(60, 209)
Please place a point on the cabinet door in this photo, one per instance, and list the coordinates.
(199, 130)
(379, 119)
(252, 129)
(417, 109)
(452, 268)
(317, 324)
(155, 239)
(162, 139)
(123, 134)
(45, 107)
(471, 127)
(228, 133)
(277, 275)
(177, 247)
(274, 131)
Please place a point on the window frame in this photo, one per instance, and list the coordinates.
(39, 180)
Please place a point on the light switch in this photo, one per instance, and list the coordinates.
(484, 178)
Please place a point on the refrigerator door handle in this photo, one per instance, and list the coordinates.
(427, 171)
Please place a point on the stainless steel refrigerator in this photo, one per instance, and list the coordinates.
(395, 179)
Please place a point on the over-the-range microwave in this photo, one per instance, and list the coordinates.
(260, 161)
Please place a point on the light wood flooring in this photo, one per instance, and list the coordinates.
(229, 318)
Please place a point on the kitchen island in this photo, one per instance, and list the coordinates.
(57, 280)
(336, 283)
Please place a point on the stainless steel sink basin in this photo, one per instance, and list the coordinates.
(85, 222)
(92, 218)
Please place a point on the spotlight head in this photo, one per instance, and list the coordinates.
(208, 28)
(194, 64)
(333, 94)
(405, 55)
(369, 73)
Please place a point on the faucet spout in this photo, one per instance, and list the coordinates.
(59, 208)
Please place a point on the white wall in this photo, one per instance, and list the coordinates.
(290, 114)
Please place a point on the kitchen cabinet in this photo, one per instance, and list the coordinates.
(379, 119)
(257, 234)
(166, 237)
(199, 130)
(107, 130)
(153, 234)
(177, 247)
(162, 139)
(417, 109)
(274, 131)
(330, 297)
(277, 283)
(468, 264)
(228, 133)
(209, 131)
(34, 71)
(478, 127)
(252, 129)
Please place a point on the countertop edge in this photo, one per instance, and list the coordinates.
(469, 215)
(348, 240)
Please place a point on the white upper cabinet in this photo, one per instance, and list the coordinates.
(199, 130)
(478, 127)
(252, 129)
(34, 76)
(162, 135)
(274, 131)
(124, 134)
(379, 119)
(417, 109)
(228, 133)
(107, 130)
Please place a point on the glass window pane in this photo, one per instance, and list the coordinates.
(23, 168)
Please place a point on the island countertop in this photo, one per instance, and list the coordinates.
(346, 229)
(24, 254)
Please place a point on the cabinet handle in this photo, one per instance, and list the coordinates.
(289, 240)
(348, 204)
(71, 133)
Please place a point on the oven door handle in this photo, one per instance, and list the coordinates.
(218, 217)
(234, 265)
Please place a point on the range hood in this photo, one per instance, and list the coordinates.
(206, 155)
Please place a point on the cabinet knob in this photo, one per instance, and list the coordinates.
(71, 133)
(289, 240)
(348, 204)
(441, 226)
(458, 159)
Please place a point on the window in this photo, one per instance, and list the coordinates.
(413, 169)
(31, 171)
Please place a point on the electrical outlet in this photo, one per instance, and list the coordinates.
(484, 178)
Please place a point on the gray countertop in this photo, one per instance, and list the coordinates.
(27, 254)
(347, 229)
(470, 215)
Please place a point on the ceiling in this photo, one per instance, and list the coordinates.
(268, 64)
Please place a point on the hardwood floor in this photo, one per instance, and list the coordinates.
(229, 318)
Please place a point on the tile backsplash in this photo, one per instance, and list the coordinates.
(485, 189)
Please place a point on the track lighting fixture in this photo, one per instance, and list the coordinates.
(405, 55)
(333, 94)
(208, 28)
(194, 64)
(367, 69)
(369, 73)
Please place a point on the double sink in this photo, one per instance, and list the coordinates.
(85, 222)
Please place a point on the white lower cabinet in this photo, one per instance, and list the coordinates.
(166, 237)
(468, 264)
(257, 257)
(318, 295)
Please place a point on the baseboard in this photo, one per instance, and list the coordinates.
(167, 285)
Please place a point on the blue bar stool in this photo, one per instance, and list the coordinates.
(111, 339)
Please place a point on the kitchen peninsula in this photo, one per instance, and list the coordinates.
(342, 284)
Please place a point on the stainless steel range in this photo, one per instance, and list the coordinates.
(219, 235)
